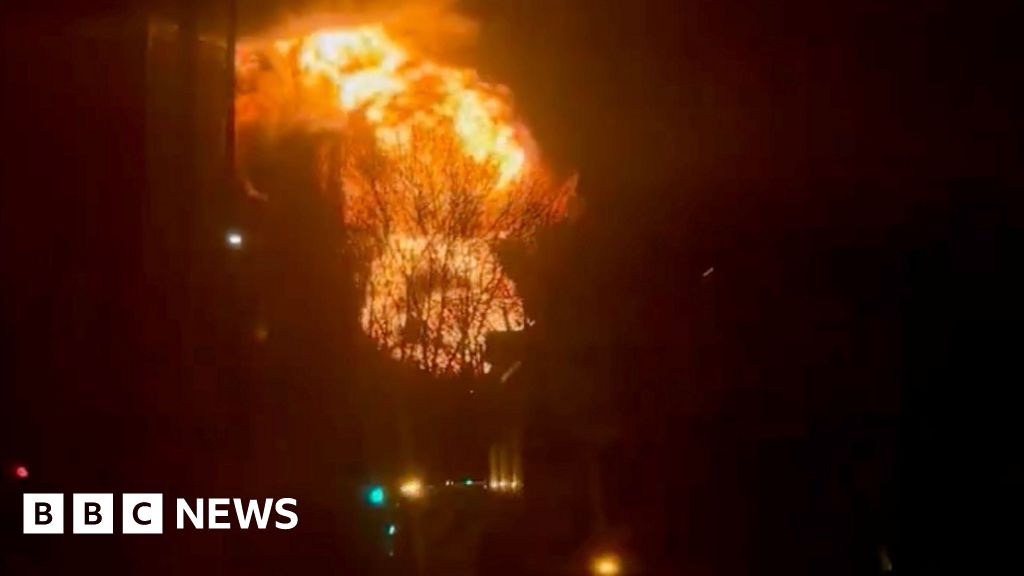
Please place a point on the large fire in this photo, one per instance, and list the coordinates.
(434, 171)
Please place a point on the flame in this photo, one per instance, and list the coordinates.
(365, 71)
(447, 324)
(446, 171)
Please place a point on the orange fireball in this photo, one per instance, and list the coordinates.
(435, 171)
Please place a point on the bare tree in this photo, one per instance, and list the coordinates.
(427, 216)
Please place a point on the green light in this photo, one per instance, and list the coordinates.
(392, 529)
(376, 496)
(468, 482)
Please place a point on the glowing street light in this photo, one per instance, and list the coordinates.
(606, 565)
(411, 488)
(375, 496)
(234, 239)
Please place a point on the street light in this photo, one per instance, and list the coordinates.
(411, 488)
(607, 564)
(375, 496)
(234, 239)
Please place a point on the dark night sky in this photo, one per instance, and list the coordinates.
(849, 169)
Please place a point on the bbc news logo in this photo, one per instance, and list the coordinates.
(144, 513)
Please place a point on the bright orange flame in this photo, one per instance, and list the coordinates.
(434, 288)
(446, 327)
(365, 71)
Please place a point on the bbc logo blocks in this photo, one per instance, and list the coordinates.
(142, 513)
(43, 514)
(92, 514)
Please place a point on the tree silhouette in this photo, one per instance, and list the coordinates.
(427, 216)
